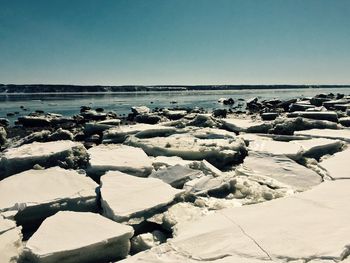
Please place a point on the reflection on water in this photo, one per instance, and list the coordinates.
(69, 104)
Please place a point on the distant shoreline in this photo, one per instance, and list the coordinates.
(94, 89)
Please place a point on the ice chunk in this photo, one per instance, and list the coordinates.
(176, 175)
(240, 125)
(341, 134)
(68, 237)
(288, 126)
(118, 157)
(219, 152)
(96, 127)
(214, 186)
(3, 135)
(37, 194)
(316, 115)
(119, 134)
(278, 171)
(317, 147)
(160, 161)
(212, 133)
(64, 153)
(181, 213)
(125, 196)
(146, 241)
(337, 165)
(174, 114)
(140, 110)
(291, 150)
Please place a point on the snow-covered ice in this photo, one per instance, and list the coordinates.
(119, 157)
(69, 237)
(125, 196)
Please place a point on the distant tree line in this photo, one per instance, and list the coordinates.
(43, 88)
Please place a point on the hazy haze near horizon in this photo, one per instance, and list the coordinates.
(175, 42)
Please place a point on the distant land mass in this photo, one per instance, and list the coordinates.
(52, 88)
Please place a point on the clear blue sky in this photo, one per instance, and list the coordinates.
(175, 41)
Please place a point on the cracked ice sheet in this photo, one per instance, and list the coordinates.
(278, 171)
(10, 241)
(341, 134)
(336, 165)
(40, 193)
(309, 225)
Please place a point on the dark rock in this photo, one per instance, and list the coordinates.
(269, 116)
(99, 110)
(222, 113)
(229, 101)
(4, 122)
(84, 108)
(147, 118)
(345, 121)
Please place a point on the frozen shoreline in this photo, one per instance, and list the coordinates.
(181, 184)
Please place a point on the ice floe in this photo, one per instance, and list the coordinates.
(68, 237)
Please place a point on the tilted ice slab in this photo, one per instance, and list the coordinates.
(240, 125)
(176, 175)
(305, 226)
(341, 134)
(212, 133)
(210, 185)
(219, 152)
(37, 194)
(48, 154)
(316, 147)
(142, 130)
(160, 161)
(100, 126)
(10, 241)
(278, 171)
(337, 165)
(291, 150)
(69, 237)
(317, 115)
(119, 157)
(125, 196)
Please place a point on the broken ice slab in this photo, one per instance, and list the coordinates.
(161, 161)
(340, 134)
(118, 157)
(176, 175)
(337, 165)
(212, 133)
(317, 147)
(119, 134)
(100, 126)
(69, 237)
(209, 185)
(291, 150)
(252, 126)
(10, 241)
(67, 153)
(124, 196)
(37, 194)
(278, 172)
(219, 152)
(259, 233)
(262, 231)
(316, 115)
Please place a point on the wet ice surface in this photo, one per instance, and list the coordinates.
(179, 185)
